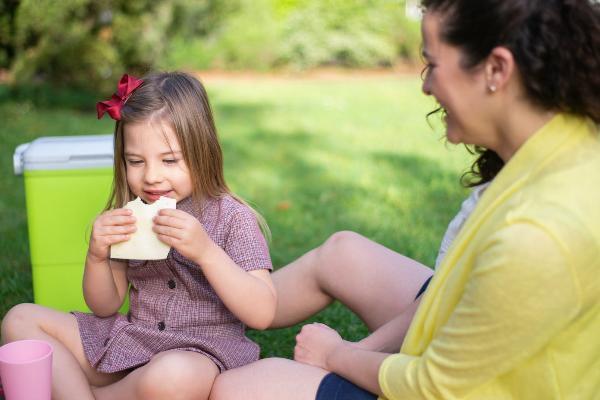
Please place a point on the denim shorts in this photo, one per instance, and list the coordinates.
(334, 387)
(423, 287)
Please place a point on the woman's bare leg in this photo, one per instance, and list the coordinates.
(373, 281)
(171, 375)
(71, 372)
(269, 379)
(376, 283)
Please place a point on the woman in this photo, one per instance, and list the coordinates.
(513, 311)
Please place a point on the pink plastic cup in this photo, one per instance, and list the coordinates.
(26, 370)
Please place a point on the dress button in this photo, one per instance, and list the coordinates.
(161, 326)
(171, 284)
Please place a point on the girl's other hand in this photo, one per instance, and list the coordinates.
(316, 343)
(182, 231)
(111, 227)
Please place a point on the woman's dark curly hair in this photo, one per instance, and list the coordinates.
(555, 43)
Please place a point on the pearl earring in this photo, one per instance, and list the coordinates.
(492, 88)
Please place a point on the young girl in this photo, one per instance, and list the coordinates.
(187, 313)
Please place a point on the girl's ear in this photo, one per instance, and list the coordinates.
(499, 68)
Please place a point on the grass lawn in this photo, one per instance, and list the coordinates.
(313, 156)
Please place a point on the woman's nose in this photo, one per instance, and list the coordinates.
(425, 78)
(426, 86)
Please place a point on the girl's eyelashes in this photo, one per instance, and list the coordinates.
(168, 161)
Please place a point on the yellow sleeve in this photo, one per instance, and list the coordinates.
(521, 292)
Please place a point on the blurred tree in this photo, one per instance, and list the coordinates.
(87, 43)
(248, 38)
(8, 10)
(192, 18)
(352, 33)
(300, 34)
(90, 43)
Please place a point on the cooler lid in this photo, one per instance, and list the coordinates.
(64, 152)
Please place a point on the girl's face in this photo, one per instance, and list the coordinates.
(461, 92)
(154, 162)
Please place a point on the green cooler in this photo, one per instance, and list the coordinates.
(67, 183)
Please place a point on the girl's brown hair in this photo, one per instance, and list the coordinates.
(180, 100)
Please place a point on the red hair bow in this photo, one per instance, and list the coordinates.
(126, 86)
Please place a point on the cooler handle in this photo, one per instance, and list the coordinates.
(18, 161)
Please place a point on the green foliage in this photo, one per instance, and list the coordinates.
(90, 43)
(138, 35)
(87, 43)
(346, 35)
(299, 34)
(352, 33)
(189, 54)
(236, 34)
(8, 10)
(248, 38)
(193, 18)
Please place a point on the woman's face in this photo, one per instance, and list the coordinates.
(461, 92)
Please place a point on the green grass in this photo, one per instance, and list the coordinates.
(313, 156)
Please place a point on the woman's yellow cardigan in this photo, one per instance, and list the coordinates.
(513, 312)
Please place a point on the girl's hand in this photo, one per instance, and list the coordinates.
(182, 231)
(316, 343)
(111, 227)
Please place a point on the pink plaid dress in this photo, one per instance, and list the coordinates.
(172, 305)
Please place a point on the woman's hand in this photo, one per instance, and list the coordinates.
(182, 231)
(111, 227)
(316, 343)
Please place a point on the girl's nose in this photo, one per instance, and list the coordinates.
(152, 173)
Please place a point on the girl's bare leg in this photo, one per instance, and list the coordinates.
(373, 281)
(71, 372)
(172, 375)
(269, 379)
